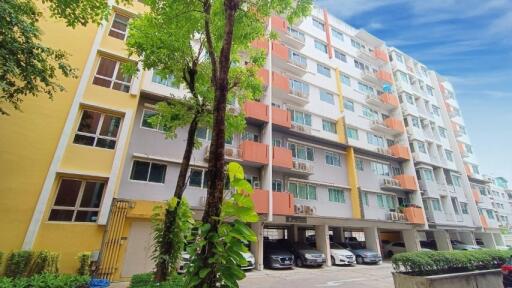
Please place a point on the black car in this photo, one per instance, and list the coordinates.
(275, 256)
(506, 271)
(304, 254)
(429, 244)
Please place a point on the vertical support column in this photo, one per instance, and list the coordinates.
(353, 182)
(442, 240)
(327, 33)
(267, 130)
(300, 235)
(467, 237)
(322, 242)
(371, 235)
(411, 240)
(340, 124)
(488, 239)
(338, 234)
(257, 247)
(498, 239)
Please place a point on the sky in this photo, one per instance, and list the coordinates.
(469, 42)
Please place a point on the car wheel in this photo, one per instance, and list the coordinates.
(390, 254)
(359, 260)
(333, 261)
(299, 262)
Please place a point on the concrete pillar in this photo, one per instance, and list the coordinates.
(498, 239)
(442, 240)
(467, 237)
(301, 235)
(371, 235)
(291, 231)
(323, 243)
(411, 240)
(488, 239)
(257, 247)
(338, 235)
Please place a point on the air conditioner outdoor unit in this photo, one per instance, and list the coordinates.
(229, 152)
(299, 209)
(295, 165)
(394, 216)
(302, 166)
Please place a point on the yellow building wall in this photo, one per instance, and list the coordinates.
(29, 138)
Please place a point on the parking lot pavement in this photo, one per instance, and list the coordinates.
(368, 276)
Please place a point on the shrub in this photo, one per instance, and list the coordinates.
(18, 263)
(45, 281)
(44, 262)
(84, 264)
(146, 280)
(446, 262)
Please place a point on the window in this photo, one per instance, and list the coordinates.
(436, 110)
(430, 91)
(360, 65)
(340, 56)
(449, 155)
(203, 133)
(399, 57)
(329, 126)
(409, 98)
(402, 76)
(336, 195)
(370, 113)
(390, 201)
(321, 69)
(468, 148)
(298, 88)
(148, 171)
(348, 104)
(421, 147)
(380, 169)
(359, 164)
(352, 133)
(375, 140)
(464, 208)
(355, 44)
(345, 79)
(436, 205)
(475, 169)
(332, 158)
(483, 191)
(490, 214)
(276, 142)
(109, 75)
(428, 175)
(97, 129)
(366, 201)
(415, 121)
(167, 80)
(337, 34)
(319, 24)
(77, 201)
(301, 152)
(300, 117)
(251, 136)
(442, 132)
(198, 178)
(321, 46)
(296, 34)
(380, 201)
(326, 97)
(145, 122)
(119, 27)
(277, 185)
(456, 180)
(302, 191)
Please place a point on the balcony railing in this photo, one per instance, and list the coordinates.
(400, 151)
(230, 153)
(301, 128)
(389, 182)
(281, 117)
(254, 152)
(282, 202)
(282, 157)
(256, 110)
(407, 182)
(414, 215)
(302, 166)
(396, 217)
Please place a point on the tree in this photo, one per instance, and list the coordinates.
(27, 67)
(230, 26)
(182, 55)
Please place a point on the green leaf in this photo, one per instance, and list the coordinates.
(204, 272)
(235, 172)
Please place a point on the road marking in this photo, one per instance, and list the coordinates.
(339, 282)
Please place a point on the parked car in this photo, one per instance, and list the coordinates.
(428, 244)
(458, 245)
(341, 256)
(363, 255)
(276, 256)
(479, 242)
(398, 247)
(304, 254)
(506, 271)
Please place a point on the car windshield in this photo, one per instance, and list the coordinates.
(336, 246)
(356, 246)
(302, 246)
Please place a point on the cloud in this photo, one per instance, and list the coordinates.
(350, 8)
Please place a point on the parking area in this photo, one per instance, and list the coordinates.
(368, 276)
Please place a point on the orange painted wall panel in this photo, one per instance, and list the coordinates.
(281, 117)
(400, 151)
(280, 81)
(279, 24)
(254, 152)
(414, 215)
(279, 50)
(256, 110)
(406, 181)
(282, 157)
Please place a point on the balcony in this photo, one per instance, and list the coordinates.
(282, 202)
(484, 222)
(302, 166)
(281, 117)
(260, 44)
(400, 151)
(282, 157)
(407, 182)
(389, 101)
(254, 152)
(290, 35)
(468, 170)
(414, 215)
(476, 196)
(280, 85)
(230, 153)
(379, 77)
(305, 129)
(396, 217)
(390, 126)
(377, 56)
(263, 75)
(389, 184)
(298, 92)
(256, 111)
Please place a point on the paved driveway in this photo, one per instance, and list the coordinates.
(367, 276)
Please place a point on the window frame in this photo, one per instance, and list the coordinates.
(124, 33)
(333, 156)
(98, 130)
(338, 195)
(112, 80)
(330, 125)
(149, 172)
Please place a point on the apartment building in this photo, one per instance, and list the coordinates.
(350, 139)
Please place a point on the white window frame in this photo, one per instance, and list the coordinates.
(334, 156)
(113, 79)
(98, 129)
(125, 33)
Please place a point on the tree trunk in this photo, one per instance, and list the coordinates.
(166, 247)
(216, 161)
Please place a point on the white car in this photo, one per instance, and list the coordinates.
(396, 248)
(458, 245)
(341, 256)
(185, 260)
